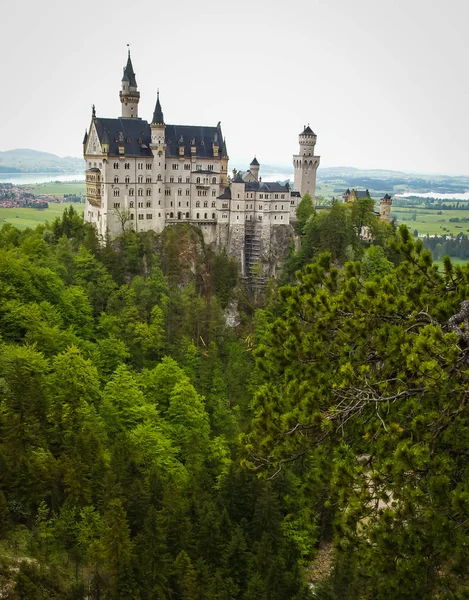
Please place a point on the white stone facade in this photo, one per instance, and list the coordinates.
(145, 176)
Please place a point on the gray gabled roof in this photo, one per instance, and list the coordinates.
(266, 186)
(239, 178)
(226, 194)
(188, 135)
(362, 194)
(133, 134)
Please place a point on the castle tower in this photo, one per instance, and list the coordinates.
(306, 164)
(158, 148)
(254, 168)
(385, 205)
(129, 95)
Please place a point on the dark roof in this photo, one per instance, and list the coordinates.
(203, 137)
(85, 139)
(158, 113)
(226, 194)
(387, 197)
(295, 194)
(93, 170)
(239, 178)
(133, 134)
(129, 74)
(362, 194)
(263, 186)
(254, 162)
(307, 131)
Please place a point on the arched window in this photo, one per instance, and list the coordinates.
(116, 179)
(205, 215)
(149, 192)
(187, 215)
(197, 216)
(213, 204)
(205, 204)
(116, 192)
(213, 215)
(131, 192)
(140, 192)
(198, 179)
(171, 215)
(127, 180)
(197, 204)
(214, 179)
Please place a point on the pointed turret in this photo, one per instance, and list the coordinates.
(254, 168)
(129, 95)
(157, 113)
(129, 74)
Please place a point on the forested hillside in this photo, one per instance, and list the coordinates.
(123, 393)
(317, 448)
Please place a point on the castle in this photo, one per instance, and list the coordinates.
(151, 175)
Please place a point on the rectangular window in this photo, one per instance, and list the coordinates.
(149, 216)
(175, 166)
(117, 204)
(140, 217)
(187, 167)
(148, 204)
(148, 166)
(140, 166)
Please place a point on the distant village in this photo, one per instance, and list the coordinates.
(21, 196)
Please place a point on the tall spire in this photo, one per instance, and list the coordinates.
(129, 74)
(158, 113)
(129, 95)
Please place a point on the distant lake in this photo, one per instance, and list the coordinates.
(437, 195)
(24, 178)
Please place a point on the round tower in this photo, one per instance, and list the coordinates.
(385, 205)
(305, 164)
(129, 95)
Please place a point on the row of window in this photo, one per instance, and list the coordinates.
(132, 192)
(140, 165)
(139, 179)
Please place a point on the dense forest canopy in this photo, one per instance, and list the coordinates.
(316, 449)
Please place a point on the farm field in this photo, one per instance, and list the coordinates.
(454, 260)
(58, 188)
(433, 222)
(30, 217)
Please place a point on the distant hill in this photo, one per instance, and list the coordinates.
(380, 181)
(24, 160)
(333, 181)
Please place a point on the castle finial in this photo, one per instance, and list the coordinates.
(128, 50)
(93, 111)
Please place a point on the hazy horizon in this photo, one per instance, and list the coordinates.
(382, 84)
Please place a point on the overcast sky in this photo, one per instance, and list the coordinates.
(384, 84)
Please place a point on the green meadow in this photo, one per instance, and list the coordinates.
(433, 222)
(30, 217)
(57, 188)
